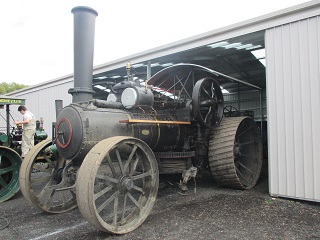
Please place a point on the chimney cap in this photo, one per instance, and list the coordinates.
(84, 9)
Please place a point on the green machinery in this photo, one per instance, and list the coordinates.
(10, 149)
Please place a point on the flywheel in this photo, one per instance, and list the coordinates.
(235, 153)
(207, 102)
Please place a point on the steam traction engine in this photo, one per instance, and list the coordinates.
(107, 155)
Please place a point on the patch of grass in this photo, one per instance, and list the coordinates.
(268, 201)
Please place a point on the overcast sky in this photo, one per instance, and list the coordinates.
(36, 41)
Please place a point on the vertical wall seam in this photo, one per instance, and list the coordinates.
(292, 111)
(308, 71)
(282, 76)
(300, 83)
(310, 95)
(275, 80)
(318, 49)
(314, 157)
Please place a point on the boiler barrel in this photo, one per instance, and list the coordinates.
(78, 130)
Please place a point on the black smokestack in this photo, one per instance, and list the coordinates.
(84, 27)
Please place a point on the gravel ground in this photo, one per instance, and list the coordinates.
(212, 213)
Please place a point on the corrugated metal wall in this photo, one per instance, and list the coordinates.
(248, 101)
(293, 100)
(41, 102)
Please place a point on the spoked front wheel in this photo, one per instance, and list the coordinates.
(45, 181)
(117, 184)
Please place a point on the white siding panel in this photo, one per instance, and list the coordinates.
(293, 103)
(288, 109)
(314, 48)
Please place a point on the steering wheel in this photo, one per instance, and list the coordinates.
(231, 111)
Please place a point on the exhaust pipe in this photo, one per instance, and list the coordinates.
(84, 28)
(59, 107)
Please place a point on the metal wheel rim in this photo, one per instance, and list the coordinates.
(227, 158)
(247, 153)
(118, 199)
(10, 162)
(38, 184)
(230, 111)
(207, 102)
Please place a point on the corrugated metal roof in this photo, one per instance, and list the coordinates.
(221, 50)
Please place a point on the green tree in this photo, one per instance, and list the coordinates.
(10, 87)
